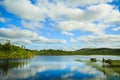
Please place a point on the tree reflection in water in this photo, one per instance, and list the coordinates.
(7, 65)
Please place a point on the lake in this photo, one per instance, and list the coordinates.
(52, 68)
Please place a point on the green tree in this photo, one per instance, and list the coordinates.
(7, 46)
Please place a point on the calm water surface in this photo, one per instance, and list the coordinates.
(51, 68)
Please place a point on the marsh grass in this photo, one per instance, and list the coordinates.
(111, 73)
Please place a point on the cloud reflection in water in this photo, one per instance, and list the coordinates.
(50, 70)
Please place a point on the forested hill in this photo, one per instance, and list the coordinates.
(85, 51)
(99, 51)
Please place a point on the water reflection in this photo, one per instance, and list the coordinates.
(49, 68)
(6, 65)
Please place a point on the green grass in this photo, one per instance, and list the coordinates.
(107, 71)
(110, 72)
(114, 64)
(8, 51)
(16, 56)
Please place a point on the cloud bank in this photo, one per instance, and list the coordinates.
(96, 22)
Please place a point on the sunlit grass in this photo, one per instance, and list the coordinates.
(16, 55)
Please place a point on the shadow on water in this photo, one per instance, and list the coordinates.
(7, 65)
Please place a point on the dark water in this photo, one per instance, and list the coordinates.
(51, 68)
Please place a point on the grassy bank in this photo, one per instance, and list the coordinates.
(114, 64)
(16, 55)
(8, 51)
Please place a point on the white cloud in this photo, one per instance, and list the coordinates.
(78, 19)
(32, 24)
(25, 9)
(111, 41)
(62, 11)
(93, 16)
(82, 26)
(112, 18)
(85, 2)
(41, 39)
(73, 40)
(90, 13)
(20, 41)
(116, 29)
(68, 75)
(96, 12)
(26, 36)
(58, 10)
(31, 70)
(2, 20)
(67, 33)
(17, 33)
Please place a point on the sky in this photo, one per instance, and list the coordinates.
(60, 24)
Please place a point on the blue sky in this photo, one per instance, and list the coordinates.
(60, 24)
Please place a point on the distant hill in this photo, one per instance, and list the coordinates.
(99, 51)
(96, 49)
(85, 51)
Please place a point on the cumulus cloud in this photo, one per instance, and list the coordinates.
(32, 24)
(96, 12)
(62, 11)
(25, 36)
(67, 33)
(25, 9)
(20, 41)
(90, 13)
(17, 33)
(111, 41)
(79, 19)
(112, 18)
(41, 39)
(57, 11)
(116, 29)
(85, 2)
(2, 19)
(89, 16)
(76, 25)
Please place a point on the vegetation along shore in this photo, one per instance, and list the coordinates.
(9, 51)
